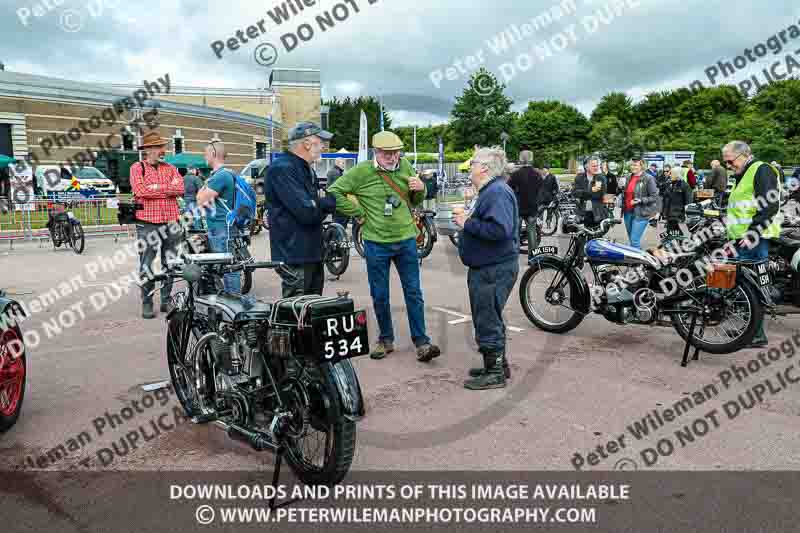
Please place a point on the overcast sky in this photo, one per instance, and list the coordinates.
(394, 46)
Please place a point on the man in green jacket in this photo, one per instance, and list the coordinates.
(386, 190)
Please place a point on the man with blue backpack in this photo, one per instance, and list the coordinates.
(229, 204)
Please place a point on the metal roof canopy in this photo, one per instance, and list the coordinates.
(46, 88)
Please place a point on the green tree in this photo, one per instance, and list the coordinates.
(615, 105)
(781, 101)
(481, 113)
(345, 120)
(553, 130)
(612, 139)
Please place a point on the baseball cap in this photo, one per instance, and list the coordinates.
(302, 130)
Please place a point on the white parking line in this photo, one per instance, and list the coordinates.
(467, 318)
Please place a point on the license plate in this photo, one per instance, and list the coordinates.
(340, 337)
(551, 250)
(763, 274)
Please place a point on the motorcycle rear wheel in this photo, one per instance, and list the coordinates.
(745, 297)
(549, 218)
(339, 434)
(336, 249)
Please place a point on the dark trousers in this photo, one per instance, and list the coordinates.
(155, 237)
(489, 289)
(302, 279)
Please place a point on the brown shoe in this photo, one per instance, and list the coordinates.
(382, 349)
(426, 352)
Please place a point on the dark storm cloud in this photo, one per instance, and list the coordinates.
(392, 48)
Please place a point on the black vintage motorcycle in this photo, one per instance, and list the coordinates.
(274, 375)
(563, 206)
(65, 228)
(13, 368)
(635, 286)
(239, 245)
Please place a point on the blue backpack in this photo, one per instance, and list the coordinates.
(244, 204)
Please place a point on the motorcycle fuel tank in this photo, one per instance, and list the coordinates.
(601, 251)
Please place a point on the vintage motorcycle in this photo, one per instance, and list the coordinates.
(274, 375)
(13, 368)
(563, 206)
(426, 233)
(635, 286)
(65, 228)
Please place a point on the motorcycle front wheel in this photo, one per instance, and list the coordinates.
(425, 242)
(545, 294)
(734, 327)
(12, 377)
(77, 239)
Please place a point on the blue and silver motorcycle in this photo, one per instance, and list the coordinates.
(715, 313)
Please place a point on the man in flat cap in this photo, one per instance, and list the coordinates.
(296, 211)
(386, 190)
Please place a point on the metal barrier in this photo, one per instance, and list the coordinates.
(98, 216)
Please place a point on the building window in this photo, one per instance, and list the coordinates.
(178, 144)
(261, 150)
(127, 141)
(6, 146)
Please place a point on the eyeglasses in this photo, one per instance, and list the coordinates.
(732, 161)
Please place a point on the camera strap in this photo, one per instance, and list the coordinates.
(394, 186)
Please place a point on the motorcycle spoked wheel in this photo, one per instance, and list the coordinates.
(425, 235)
(336, 249)
(181, 366)
(358, 239)
(549, 220)
(741, 301)
(323, 455)
(76, 238)
(13, 374)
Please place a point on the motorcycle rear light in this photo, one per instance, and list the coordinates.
(721, 276)
(361, 319)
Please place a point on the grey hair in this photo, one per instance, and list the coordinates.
(738, 148)
(590, 159)
(493, 158)
(526, 157)
(294, 144)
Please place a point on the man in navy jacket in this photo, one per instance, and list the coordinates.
(489, 246)
(296, 211)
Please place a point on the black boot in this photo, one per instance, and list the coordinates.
(479, 370)
(494, 376)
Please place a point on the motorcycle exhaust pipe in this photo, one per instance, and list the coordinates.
(257, 440)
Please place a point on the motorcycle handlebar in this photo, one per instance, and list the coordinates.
(605, 225)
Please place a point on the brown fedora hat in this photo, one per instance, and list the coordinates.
(152, 140)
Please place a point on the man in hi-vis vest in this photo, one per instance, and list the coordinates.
(754, 214)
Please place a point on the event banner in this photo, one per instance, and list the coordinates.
(618, 502)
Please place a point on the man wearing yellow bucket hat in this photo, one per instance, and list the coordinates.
(386, 190)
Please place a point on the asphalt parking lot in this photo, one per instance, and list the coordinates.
(570, 394)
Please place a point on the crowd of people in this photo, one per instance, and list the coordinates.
(380, 195)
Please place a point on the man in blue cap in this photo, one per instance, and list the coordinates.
(296, 210)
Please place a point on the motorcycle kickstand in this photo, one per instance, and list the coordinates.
(696, 356)
(276, 474)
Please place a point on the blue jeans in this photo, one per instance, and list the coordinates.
(636, 227)
(759, 253)
(218, 242)
(489, 289)
(379, 259)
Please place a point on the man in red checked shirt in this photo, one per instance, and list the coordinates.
(157, 185)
